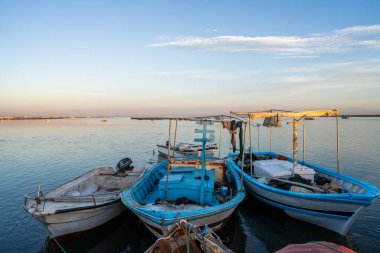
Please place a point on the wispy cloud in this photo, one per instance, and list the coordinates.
(342, 40)
(210, 75)
(345, 77)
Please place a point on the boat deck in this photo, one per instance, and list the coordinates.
(184, 186)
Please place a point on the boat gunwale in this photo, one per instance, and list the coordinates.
(137, 208)
(366, 198)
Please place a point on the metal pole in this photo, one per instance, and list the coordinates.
(250, 145)
(203, 174)
(220, 138)
(337, 144)
(270, 138)
(242, 155)
(303, 141)
(295, 145)
(168, 169)
(258, 137)
(175, 134)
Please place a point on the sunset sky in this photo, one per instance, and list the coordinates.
(152, 58)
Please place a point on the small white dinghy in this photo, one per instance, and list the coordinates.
(85, 202)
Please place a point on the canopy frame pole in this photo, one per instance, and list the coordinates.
(168, 169)
(242, 155)
(220, 138)
(258, 137)
(175, 134)
(270, 138)
(295, 145)
(303, 141)
(250, 146)
(337, 144)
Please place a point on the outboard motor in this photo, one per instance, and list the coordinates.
(124, 165)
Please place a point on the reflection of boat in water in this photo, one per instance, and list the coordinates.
(198, 190)
(184, 236)
(83, 203)
(306, 192)
(186, 149)
(109, 237)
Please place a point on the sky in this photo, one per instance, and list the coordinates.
(171, 58)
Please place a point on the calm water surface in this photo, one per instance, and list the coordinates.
(50, 153)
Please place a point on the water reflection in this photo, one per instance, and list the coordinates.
(269, 229)
(254, 227)
(125, 233)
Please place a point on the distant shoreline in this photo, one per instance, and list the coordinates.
(47, 117)
(138, 118)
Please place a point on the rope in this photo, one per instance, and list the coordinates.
(59, 245)
(46, 224)
(327, 246)
(51, 235)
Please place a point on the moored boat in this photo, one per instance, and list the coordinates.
(326, 247)
(199, 190)
(185, 237)
(186, 149)
(83, 203)
(303, 190)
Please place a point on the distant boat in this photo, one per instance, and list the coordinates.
(309, 118)
(83, 203)
(195, 189)
(304, 191)
(345, 116)
(103, 120)
(186, 149)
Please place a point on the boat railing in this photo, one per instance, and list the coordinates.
(41, 199)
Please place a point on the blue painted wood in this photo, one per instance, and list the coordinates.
(366, 198)
(143, 192)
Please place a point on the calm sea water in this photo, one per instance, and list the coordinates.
(50, 153)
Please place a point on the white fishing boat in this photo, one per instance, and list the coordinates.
(85, 202)
(199, 190)
(186, 149)
(304, 191)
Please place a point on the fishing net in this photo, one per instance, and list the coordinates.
(179, 241)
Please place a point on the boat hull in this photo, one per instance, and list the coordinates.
(64, 224)
(160, 219)
(336, 212)
(323, 214)
(215, 222)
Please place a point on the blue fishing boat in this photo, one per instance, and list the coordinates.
(303, 190)
(199, 190)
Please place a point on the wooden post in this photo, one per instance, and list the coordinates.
(175, 134)
(258, 137)
(242, 155)
(203, 173)
(295, 145)
(337, 144)
(250, 145)
(270, 138)
(168, 169)
(303, 141)
(220, 138)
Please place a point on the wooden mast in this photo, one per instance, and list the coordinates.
(168, 169)
(295, 145)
